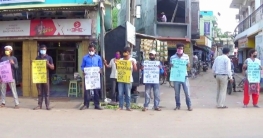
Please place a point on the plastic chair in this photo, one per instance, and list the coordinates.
(73, 89)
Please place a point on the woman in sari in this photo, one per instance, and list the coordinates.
(252, 89)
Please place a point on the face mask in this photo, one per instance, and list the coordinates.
(7, 53)
(152, 58)
(254, 56)
(117, 56)
(125, 54)
(43, 52)
(180, 51)
(91, 53)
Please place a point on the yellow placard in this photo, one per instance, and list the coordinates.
(124, 71)
(39, 71)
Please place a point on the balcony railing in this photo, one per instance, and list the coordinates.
(249, 21)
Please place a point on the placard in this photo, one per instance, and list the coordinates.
(124, 71)
(39, 71)
(92, 78)
(6, 72)
(151, 72)
(253, 72)
(178, 70)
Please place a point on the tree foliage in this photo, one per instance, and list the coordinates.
(115, 12)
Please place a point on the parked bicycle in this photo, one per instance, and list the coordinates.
(166, 76)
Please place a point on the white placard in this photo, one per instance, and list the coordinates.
(131, 33)
(92, 78)
(151, 72)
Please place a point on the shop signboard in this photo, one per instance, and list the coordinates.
(18, 1)
(47, 27)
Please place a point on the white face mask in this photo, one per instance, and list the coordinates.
(91, 53)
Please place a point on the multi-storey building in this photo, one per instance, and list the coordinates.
(66, 27)
(179, 26)
(250, 18)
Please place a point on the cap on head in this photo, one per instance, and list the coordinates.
(8, 47)
(162, 13)
(152, 52)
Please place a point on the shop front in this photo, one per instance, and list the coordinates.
(67, 42)
(203, 48)
(244, 45)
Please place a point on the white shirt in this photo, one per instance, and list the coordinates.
(164, 19)
(222, 66)
(113, 69)
(135, 62)
(183, 57)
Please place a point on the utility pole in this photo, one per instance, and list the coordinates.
(128, 17)
(102, 47)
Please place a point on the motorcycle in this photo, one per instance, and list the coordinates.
(205, 66)
(231, 86)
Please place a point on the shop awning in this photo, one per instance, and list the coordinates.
(204, 48)
(162, 38)
(47, 7)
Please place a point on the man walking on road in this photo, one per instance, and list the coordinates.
(177, 85)
(91, 60)
(43, 88)
(222, 73)
(155, 87)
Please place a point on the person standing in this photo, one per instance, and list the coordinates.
(251, 88)
(222, 73)
(44, 88)
(125, 88)
(155, 87)
(113, 75)
(163, 17)
(91, 60)
(14, 66)
(177, 85)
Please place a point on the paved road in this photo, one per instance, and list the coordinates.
(204, 122)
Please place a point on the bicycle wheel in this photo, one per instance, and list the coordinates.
(162, 79)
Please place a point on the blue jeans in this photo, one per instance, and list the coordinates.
(156, 93)
(177, 88)
(124, 88)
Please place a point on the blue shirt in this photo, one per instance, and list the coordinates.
(91, 61)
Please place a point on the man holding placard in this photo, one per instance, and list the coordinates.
(125, 66)
(252, 67)
(151, 72)
(10, 63)
(179, 63)
(43, 86)
(94, 61)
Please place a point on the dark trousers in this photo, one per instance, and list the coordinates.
(96, 99)
(114, 96)
(43, 92)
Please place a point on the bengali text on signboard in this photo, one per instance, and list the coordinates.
(124, 71)
(178, 70)
(253, 72)
(6, 72)
(39, 71)
(92, 78)
(151, 72)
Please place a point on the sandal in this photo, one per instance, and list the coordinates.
(158, 109)
(144, 109)
(128, 109)
(223, 107)
(2, 105)
(37, 108)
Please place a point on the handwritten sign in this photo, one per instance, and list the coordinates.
(178, 70)
(39, 71)
(151, 72)
(124, 71)
(92, 78)
(6, 72)
(253, 72)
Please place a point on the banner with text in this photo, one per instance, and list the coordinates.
(39, 71)
(92, 78)
(47, 27)
(253, 72)
(6, 72)
(178, 70)
(124, 71)
(151, 72)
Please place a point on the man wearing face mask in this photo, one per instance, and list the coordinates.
(43, 88)
(91, 60)
(155, 87)
(113, 74)
(177, 85)
(126, 87)
(14, 66)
